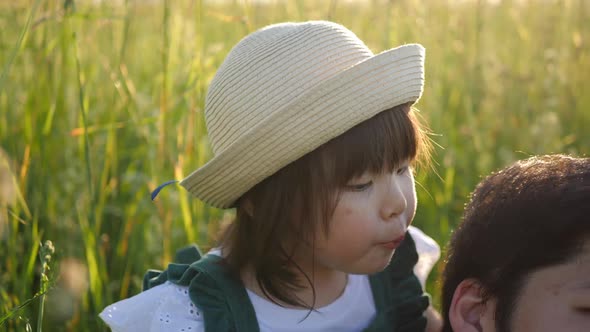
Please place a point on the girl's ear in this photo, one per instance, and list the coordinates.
(468, 311)
(248, 206)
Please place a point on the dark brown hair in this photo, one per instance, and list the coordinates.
(287, 208)
(532, 214)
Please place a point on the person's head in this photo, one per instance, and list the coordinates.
(312, 131)
(334, 205)
(520, 259)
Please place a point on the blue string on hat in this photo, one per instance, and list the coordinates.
(160, 187)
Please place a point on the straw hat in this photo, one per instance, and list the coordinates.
(285, 90)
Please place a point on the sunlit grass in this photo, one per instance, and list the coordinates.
(100, 102)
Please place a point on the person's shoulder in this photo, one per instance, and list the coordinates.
(424, 243)
(166, 307)
(428, 253)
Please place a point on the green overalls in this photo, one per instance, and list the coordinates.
(225, 305)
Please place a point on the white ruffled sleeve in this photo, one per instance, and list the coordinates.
(166, 307)
(428, 254)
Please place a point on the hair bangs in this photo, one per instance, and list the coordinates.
(282, 213)
(377, 145)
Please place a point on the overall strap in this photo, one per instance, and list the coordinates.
(398, 295)
(220, 296)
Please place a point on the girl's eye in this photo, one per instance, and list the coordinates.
(581, 303)
(359, 187)
(402, 170)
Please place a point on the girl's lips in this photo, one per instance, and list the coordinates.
(393, 244)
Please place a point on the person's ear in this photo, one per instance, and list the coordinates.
(468, 309)
(248, 206)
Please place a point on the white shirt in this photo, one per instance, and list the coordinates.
(167, 307)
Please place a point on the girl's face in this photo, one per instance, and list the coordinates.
(369, 222)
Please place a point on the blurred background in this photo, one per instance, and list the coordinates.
(101, 101)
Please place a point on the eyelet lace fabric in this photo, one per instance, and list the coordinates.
(166, 307)
(428, 254)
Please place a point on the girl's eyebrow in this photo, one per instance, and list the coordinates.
(584, 285)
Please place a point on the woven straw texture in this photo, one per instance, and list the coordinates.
(287, 89)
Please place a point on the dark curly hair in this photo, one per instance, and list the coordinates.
(532, 214)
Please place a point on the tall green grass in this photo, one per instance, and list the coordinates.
(102, 101)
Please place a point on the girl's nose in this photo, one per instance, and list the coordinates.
(394, 202)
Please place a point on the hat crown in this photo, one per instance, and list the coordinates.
(271, 68)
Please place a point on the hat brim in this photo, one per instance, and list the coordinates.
(388, 79)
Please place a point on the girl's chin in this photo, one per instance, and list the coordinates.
(374, 266)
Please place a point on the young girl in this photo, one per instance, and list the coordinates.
(314, 140)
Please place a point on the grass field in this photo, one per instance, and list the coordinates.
(101, 101)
